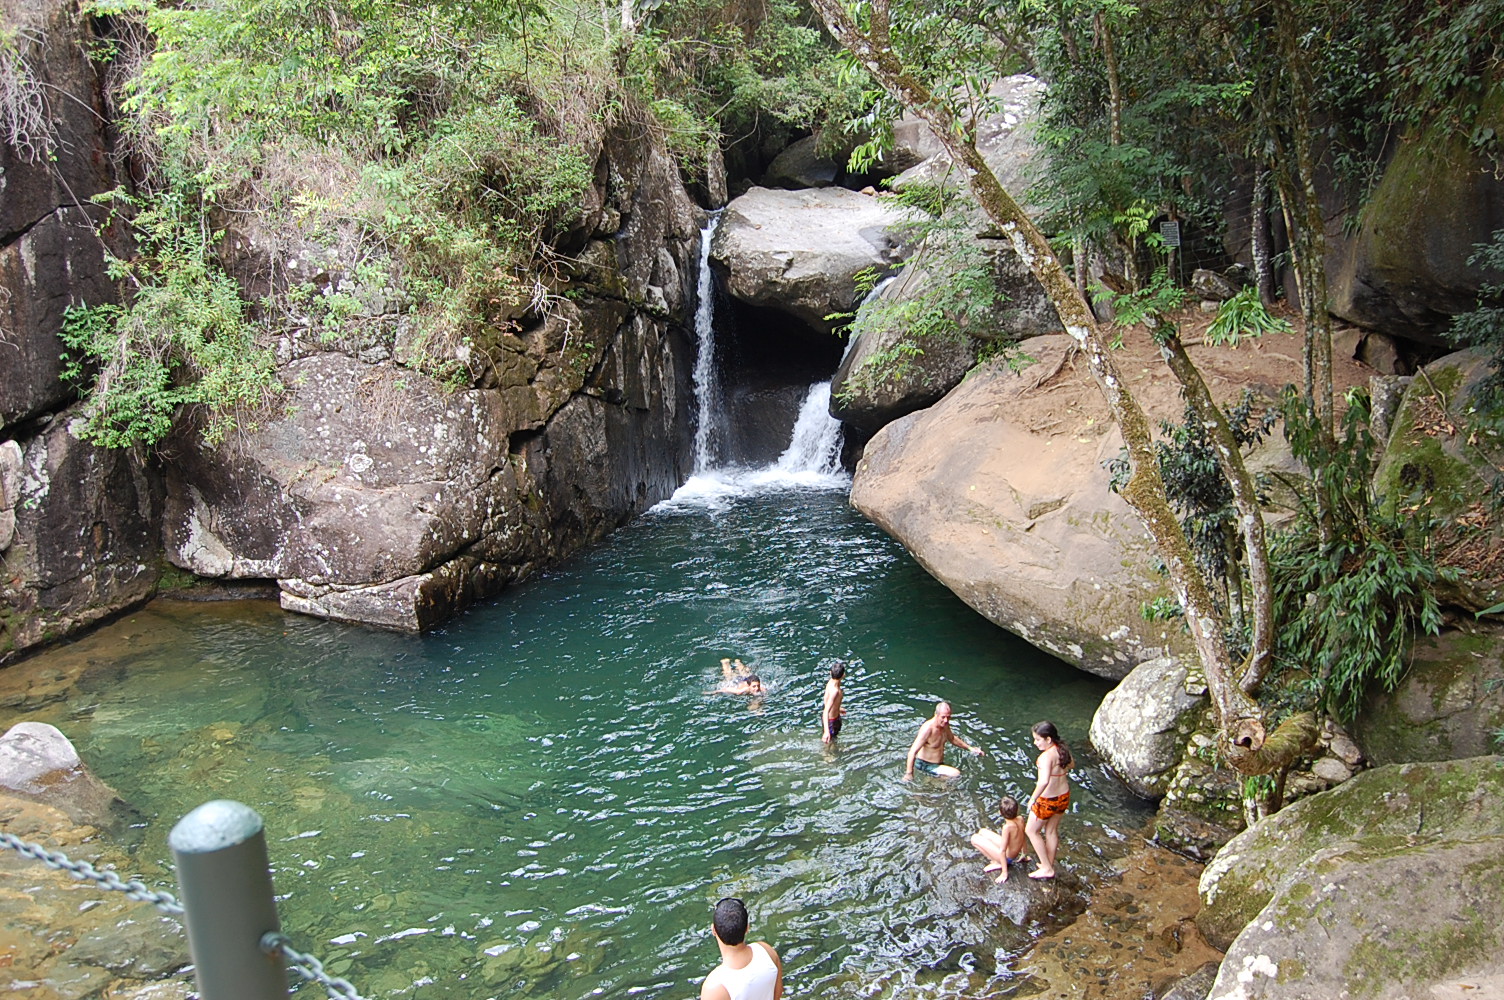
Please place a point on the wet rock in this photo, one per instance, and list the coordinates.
(1193, 987)
(143, 945)
(85, 542)
(1389, 882)
(1141, 727)
(37, 762)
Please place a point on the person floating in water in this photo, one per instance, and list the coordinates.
(751, 684)
(1051, 798)
(831, 711)
(1006, 845)
(748, 970)
(928, 751)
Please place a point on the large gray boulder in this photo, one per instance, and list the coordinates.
(1404, 269)
(798, 252)
(1449, 704)
(1001, 491)
(1385, 887)
(1025, 529)
(1142, 726)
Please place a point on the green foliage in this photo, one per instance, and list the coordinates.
(956, 304)
(181, 338)
(715, 69)
(1243, 316)
(1349, 601)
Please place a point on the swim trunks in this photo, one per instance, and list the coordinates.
(835, 727)
(1050, 805)
(927, 767)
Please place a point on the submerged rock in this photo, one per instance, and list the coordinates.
(37, 762)
(1380, 888)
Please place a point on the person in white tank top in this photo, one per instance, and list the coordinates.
(748, 971)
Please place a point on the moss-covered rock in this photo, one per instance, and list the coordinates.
(1436, 462)
(1449, 705)
(1375, 889)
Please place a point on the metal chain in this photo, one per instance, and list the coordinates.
(308, 967)
(85, 872)
(305, 965)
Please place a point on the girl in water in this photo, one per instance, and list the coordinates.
(1051, 798)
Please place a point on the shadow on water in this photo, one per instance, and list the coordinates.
(542, 799)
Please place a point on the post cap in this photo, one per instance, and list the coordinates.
(214, 826)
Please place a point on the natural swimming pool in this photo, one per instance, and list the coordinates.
(541, 799)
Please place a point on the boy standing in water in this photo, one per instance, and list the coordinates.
(831, 711)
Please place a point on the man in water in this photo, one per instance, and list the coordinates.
(831, 711)
(928, 751)
(752, 685)
(748, 971)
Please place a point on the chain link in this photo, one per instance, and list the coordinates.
(85, 872)
(308, 967)
(274, 943)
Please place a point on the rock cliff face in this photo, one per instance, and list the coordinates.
(385, 498)
(78, 531)
(374, 494)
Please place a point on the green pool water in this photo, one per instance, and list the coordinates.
(542, 799)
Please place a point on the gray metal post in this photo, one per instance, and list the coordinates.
(226, 885)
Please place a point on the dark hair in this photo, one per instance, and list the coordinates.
(1008, 806)
(838, 670)
(753, 679)
(1049, 732)
(730, 921)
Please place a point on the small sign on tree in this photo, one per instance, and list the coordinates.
(1170, 233)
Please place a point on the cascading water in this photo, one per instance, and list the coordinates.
(707, 382)
(813, 456)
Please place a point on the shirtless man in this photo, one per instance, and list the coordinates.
(928, 751)
(831, 711)
(748, 971)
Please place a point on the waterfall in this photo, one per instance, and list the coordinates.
(707, 383)
(815, 445)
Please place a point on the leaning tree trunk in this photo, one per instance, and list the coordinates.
(1240, 716)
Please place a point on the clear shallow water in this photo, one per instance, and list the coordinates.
(542, 800)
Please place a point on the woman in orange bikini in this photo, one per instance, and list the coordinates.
(1051, 798)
